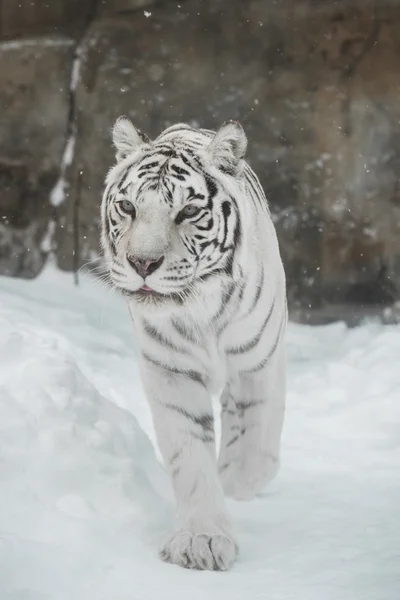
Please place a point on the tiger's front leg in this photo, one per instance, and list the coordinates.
(183, 419)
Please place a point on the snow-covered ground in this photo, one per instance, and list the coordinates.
(84, 501)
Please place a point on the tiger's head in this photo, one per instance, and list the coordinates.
(170, 210)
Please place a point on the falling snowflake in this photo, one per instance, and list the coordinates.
(147, 14)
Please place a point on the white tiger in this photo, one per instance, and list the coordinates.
(188, 238)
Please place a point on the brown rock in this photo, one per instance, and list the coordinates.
(110, 7)
(23, 18)
(313, 82)
(34, 83)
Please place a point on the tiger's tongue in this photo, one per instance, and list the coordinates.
(146, 288)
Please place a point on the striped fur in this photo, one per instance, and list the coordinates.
(215, 320)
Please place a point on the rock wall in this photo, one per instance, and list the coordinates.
(314, 83)
(34, 83)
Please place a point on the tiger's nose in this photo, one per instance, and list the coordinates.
(145, 266)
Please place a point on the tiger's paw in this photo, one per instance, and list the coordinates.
(209, 552)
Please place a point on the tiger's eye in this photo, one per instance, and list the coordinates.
(190, 210)
(127, 207)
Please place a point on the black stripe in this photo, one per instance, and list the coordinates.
(258, 293)
(181, 216)
(225, 324)
(224, 466)
(232, 441)
(191, 374)
(253, 343)
(246, 404)
(150, 176)
(161, 147)
(201, 216)
(211, 266)
(194, 196)
(202, 438)
(237, 234)
(264, 361)
(123, 179)
(188, 245)
(168, 192)
(242, 288)
(194, 488)
(179, 170)
(145, 184)
(149, 165)
(226, 212)
(208, 132)
(175, 456)
(197, 167)
(177, 127)
(225, 298)
(256, 188)
(193, 144)
(159, 337)
(174, 277)
(206, 421)
(181, 329)
(178, 177)
(229, 411)
(212, 190)
(109, 235)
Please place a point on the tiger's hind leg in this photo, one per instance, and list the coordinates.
(251, 425)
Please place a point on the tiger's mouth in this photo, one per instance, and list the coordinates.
(146, 294)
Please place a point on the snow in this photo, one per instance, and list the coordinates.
(59, 192)
(84, 501)
(46, 245)
(76, 70)
(39, 42)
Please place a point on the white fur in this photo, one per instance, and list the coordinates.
(252, 401)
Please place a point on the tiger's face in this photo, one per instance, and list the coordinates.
(168, 222)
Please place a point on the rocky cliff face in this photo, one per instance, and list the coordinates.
(314, 83)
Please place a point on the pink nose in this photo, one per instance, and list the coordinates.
(145, 266)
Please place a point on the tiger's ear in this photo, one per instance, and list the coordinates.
(228, 148)
(127, 138)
